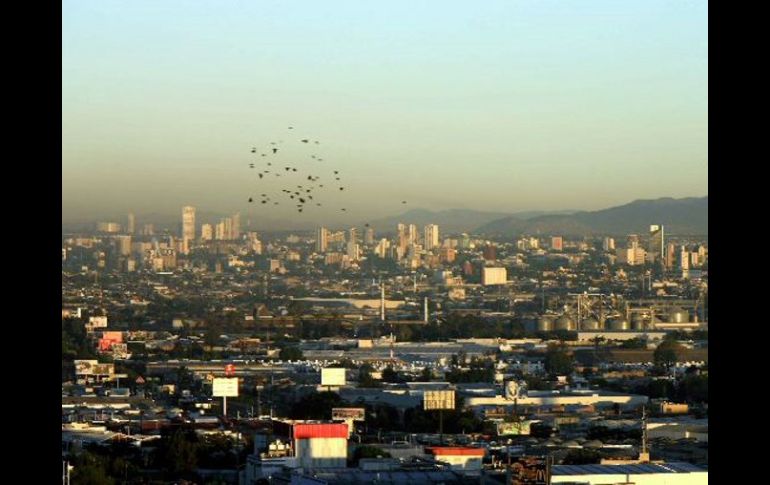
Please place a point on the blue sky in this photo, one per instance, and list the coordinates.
(496, 105)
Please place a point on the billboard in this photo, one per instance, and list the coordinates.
(225, 387)
(515, 428)
(93, 368)
(345, 414)
(333, 376)
(439, 400)
(120, 351)
(530, 470)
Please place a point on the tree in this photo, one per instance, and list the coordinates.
(181, 456)
(389, 375)
(316, 405)
(290, 353)
(90, 470)
(666, 354)
(365, 378)
(558, 359)
(367, 451)
(426, 375)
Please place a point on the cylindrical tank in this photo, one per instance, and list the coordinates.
(544, 324)
(590, 323)
(678, 315)
(637, 321)
(564, 322)
(618, 323)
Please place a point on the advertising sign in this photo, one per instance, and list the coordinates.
(348, 414)
(93, 368)
(434, 400)
(515, 428)
(225, 387)
(229, 370)
(333, 376)
(530, 470)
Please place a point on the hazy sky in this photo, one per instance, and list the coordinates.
(494, 105)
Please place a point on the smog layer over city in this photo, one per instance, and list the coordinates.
(402, 242)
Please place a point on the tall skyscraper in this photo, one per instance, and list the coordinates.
(228, 233)
(431, 236)
(131, 223)
(207, 232)
(656, 243)
(188, 225)
(219, 231)
(608, 244)
(489, 252)
(236, 226)
(414, 237)
(403, 238)
(353, 235)
(321, 239)
(369, 236)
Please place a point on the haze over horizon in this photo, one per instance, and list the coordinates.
(506, 107)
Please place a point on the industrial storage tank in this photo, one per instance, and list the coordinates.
(678, 315)
(544, 323)
(564, 322)
(638, 321)
(590, 323)
(618, 323)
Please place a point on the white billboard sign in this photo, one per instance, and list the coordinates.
(439, 400)
(225, 387)
(333, 376)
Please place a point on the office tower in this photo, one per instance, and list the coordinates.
(431, 236)
(414, 237)
(188, 224)
(321, 239)
(369, 236)
(352, 235)
(219, 231)
(684, 258)
(403, 238)
(382, 248)
(131, 223)
(148, 230)
(489, 252)
(207, 232)
(353, 251)
(656, 242)
(236, 226)
(608, 244)
(557, 243)
(493, 276)
(228, 230)
(123, 244)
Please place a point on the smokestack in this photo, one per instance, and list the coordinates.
(426, 310)
(382, 301)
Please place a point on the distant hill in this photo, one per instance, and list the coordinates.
(679, 216)
(450, 220)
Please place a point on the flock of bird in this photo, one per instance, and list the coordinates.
(301, 195)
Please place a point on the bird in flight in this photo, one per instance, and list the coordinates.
(275, 150)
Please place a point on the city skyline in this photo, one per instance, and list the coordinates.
(549, 106)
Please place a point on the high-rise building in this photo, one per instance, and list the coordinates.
(369, 236)
(608, 244)
(353, 251)
(207, 232)
(219, 231)
(321, 239)
(188, 224)
(131, 223)
(228, 231)
(414, 237)
(403, 238)
(656, 242)
(123, 244)
(236, 234)
(352, 235)
(431, 236)
(148, 230)
(557, 243)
